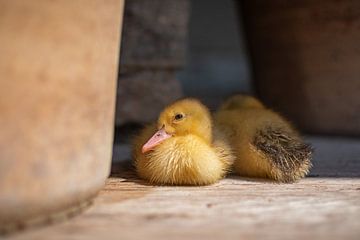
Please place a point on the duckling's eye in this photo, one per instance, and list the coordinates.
(179, 116)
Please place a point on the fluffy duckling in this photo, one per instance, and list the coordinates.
(182, 148)
(265, 144)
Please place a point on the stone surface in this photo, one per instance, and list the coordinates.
(142, 94)
(306, 58)
(58, 67)
(154, 33)
(335, 156)
(153, 49)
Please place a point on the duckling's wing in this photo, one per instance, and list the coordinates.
(288, 155)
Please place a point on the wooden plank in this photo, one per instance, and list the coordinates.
(235, 208)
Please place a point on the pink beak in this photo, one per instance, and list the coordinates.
(155, 140)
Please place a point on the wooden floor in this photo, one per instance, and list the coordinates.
(325, 205)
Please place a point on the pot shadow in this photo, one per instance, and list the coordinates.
(126, 171)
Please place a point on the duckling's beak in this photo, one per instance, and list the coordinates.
(155, 140)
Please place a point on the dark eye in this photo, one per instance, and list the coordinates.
(179, 116)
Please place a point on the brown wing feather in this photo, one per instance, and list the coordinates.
(289, 156)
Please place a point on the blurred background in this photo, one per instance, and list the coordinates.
(192, 48)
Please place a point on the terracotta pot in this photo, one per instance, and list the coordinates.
(58, 68)
(306, 60)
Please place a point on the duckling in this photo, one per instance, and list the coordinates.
(182, 148)
(264, 143)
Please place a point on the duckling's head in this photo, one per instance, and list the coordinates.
(187, 116)
(241, 101)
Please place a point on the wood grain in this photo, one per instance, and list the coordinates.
(235, 208)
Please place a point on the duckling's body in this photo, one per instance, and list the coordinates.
(265, 145)
(190, 154)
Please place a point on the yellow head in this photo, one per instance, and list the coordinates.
(183, 117)
(241, 101)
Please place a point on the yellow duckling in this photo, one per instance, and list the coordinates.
(182, 148)
(265, 144)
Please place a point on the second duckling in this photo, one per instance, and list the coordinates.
(265, 144)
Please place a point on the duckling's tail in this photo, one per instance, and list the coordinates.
(288, 156)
